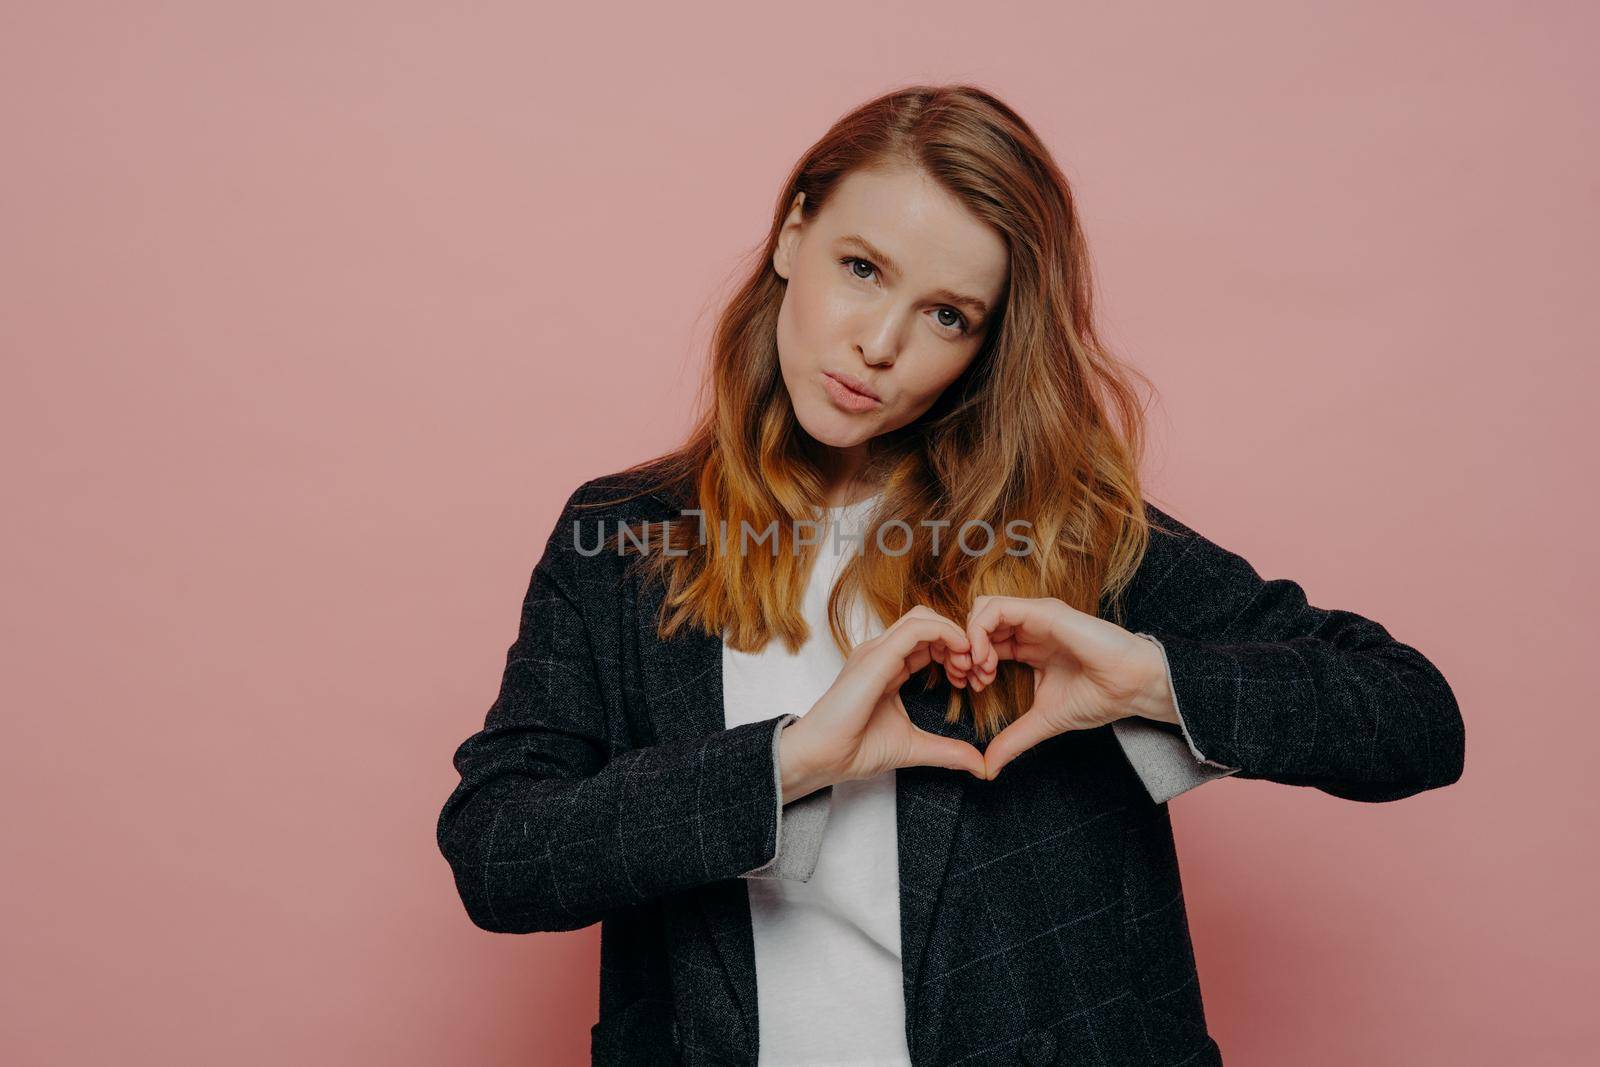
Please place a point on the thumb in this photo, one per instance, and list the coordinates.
(1021, 734)
(932, 750)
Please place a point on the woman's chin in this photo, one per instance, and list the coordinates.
(836, 429)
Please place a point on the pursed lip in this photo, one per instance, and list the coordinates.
(855, 385)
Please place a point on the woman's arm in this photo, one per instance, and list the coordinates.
(544, 832)
(1266, 683)
(801, 823)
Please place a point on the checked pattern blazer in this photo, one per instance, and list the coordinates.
(1042, 914)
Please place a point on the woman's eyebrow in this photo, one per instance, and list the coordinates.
(884, 259)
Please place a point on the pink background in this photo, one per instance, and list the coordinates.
(312, 314)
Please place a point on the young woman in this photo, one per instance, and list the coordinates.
(853, 720)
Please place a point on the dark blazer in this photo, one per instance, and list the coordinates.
(1042, 914)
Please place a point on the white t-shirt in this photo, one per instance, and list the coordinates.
(827, 949)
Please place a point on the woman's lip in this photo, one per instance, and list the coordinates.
(855, 385)
(847, 398)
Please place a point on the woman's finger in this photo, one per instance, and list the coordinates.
(942, 655)
(904, 648)
(950, 658)
(1027, 730)
(990, 613)
(933, 750)
(999, 626)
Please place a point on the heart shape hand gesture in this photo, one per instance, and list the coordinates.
(1087, 672)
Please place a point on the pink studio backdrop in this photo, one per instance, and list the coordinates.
(312, 314)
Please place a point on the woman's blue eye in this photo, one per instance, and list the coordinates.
(851, 261)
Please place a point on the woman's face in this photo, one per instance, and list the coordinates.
(891, 289)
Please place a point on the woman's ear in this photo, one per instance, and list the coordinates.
(788, 238)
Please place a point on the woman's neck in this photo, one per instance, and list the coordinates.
(845, 477)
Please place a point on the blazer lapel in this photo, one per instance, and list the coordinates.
(927, 799)
(928, 807)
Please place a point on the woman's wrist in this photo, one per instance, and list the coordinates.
(1153, 699)
(798, 769)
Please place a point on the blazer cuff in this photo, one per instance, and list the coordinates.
(1162, 759)
(1182, 727)
(800, 824)
(1164, 755)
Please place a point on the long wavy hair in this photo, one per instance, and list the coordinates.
(1044, 424)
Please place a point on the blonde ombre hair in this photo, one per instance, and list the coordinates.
(1043, 425)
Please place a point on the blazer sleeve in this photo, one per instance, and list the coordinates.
(545, 830)
(1284, 691)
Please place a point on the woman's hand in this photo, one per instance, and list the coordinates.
(1086, 671)
(859, 728)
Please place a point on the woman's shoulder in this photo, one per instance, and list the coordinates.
(598, 509)
(648, 491)
(1182, 566)
(1165, 527)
